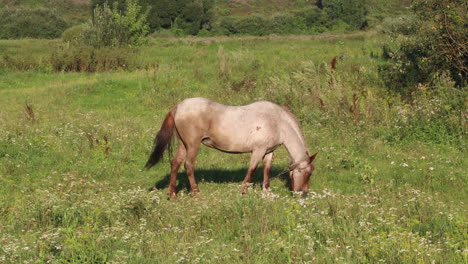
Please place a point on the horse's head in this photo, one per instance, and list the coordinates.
(300, 175)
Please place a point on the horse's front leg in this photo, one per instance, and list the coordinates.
(254, 160)
(267, 161)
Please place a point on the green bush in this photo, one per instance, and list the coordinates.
(102, 44)
(316, 20)
(408, 67)
(20, 22)
(110, 27)
(433, 44)
(193, 15)
(405, 25)
(254, 25)
(90, 59)
(288, 24)
(73, 34)
(260, 26)
(352, 12)
(309, 20)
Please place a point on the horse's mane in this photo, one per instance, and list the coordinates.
(295, 125)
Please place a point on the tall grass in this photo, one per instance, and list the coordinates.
(388, 186)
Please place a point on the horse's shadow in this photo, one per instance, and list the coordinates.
(220, 176)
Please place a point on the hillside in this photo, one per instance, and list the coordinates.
(78, 11)
(73, 11)
(377, 8)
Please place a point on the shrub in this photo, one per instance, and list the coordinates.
(437, 47)
(194, 15)
(260, 26)
(133, 22)
(73, 34)
(405, 25)
(253, 25)
(288, 24)
(352, 12)
(110, 27)
(409, 66)
(30, 23)
(307, 20)
(315, 19)
(90, 59)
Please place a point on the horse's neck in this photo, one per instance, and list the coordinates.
(295, 144)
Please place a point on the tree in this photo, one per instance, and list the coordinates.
(437, 47)
(446, 30)
(188, 15)
(352, 12)
(112, 27)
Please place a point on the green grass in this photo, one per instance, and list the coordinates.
(72, 188)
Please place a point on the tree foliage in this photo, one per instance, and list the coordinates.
(436, 45)
(112, 27)
(352, 12)
(18, 22)
(446, 30)
(188, 15)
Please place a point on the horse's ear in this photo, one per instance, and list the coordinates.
(311, 158)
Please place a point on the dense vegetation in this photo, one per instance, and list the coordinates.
(213, 18)
(189, 16)
(386, 110)
(427, 44)
(18, 23)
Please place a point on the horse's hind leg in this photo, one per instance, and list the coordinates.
(175, 165)
(192, 151)
(254, 160)
(267, 160)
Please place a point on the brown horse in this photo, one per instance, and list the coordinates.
(259, 128)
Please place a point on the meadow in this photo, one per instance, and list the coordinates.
(389, 184)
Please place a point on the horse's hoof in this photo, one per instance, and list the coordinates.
(243, 191)
(173, 196)
(245, 187)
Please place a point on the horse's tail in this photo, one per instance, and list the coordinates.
(163, 139)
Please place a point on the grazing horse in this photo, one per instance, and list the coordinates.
(259, 128)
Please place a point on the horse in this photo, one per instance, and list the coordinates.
(259, 128)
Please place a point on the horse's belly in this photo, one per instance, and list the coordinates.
(242, 141)
(226, 146)
(222, 146)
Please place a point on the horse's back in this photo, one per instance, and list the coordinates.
(230, 128)
(199, 106)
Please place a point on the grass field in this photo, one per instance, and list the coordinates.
(72, 188)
